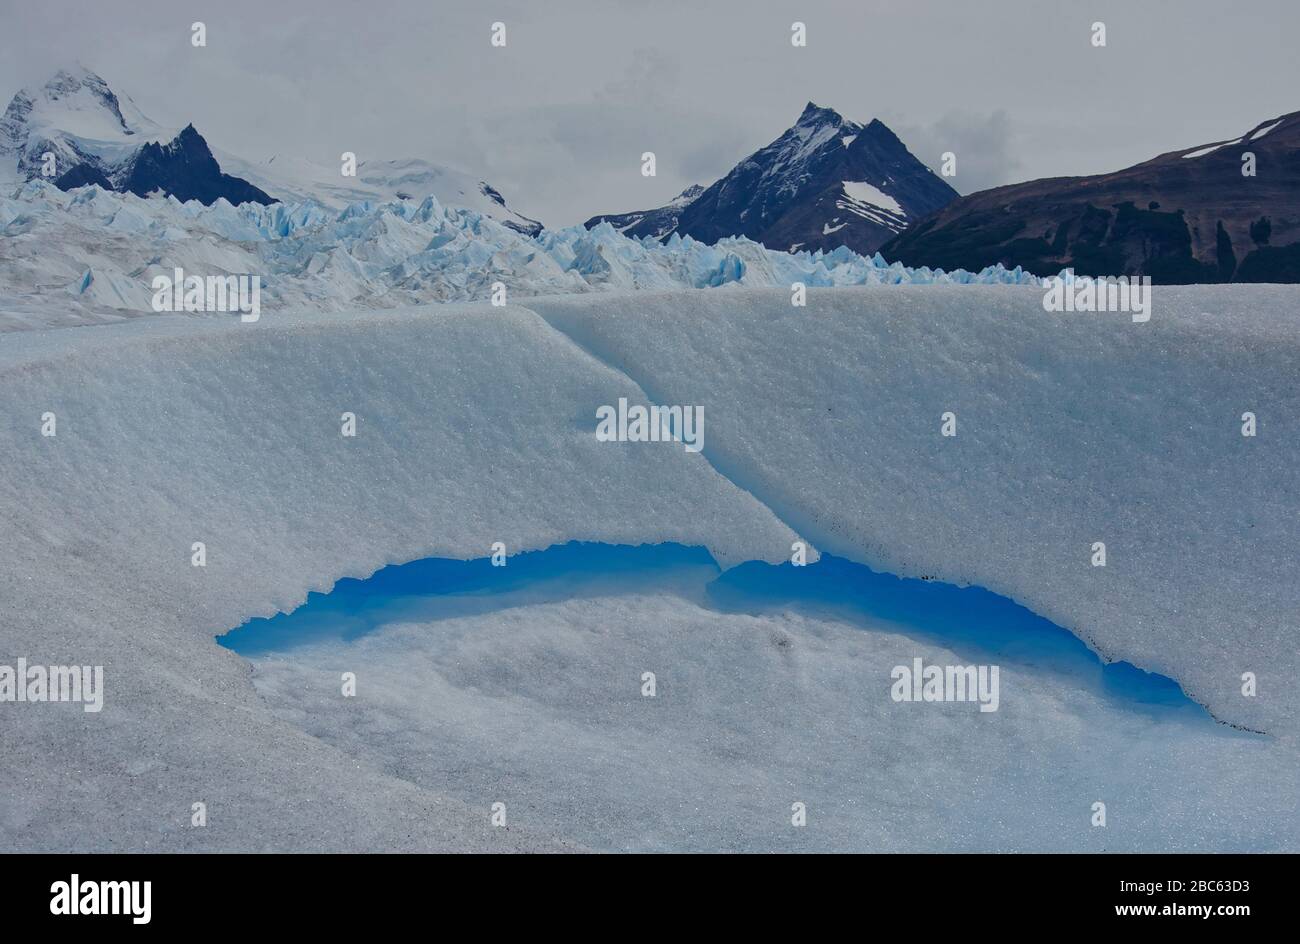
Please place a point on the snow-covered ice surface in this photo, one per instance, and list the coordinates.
(1071, 429)
(90, 256)
(476, 425)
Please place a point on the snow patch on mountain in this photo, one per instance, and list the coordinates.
(1265, 130)
(1201, 152)
(860, 191)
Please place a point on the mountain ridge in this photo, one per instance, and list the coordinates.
(100, 138)
(826, 181)
(1188, 215)
(75, 122)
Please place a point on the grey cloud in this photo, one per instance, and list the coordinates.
(986, 155)
(559, 118)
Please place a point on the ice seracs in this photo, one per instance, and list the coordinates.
(105, 249)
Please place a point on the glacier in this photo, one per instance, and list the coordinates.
(89, 255)
(476, 425)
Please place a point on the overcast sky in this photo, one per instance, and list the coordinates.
(558, 119)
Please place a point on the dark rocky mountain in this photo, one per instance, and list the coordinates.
(83, 175)
(95, 137)
(186, 170)
(1185, 216)
(658, 222)
(824, 183)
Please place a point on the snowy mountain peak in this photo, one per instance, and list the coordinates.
(825, 182)
(83, 90)
(800, 147)
(75, 132)
(79, 120)
(656, 223)
(99, 137)
(816, 115)
(74, 104)
(687, 196)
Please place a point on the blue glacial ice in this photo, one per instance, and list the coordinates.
(369, 255)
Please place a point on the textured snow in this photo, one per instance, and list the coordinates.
(78, 103)
(476, 425)
(90, 256)
(78, 113)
